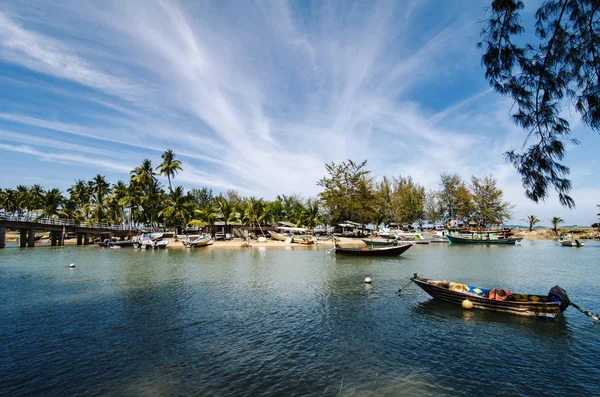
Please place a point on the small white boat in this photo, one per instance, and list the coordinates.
(201, 241)
(572, 243)
(145, 243)
(161, 243)
(279, 236)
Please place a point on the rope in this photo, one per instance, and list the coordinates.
(589, 314)
(407, 285)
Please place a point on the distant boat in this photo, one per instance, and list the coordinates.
(500, 300)
(153, 236)
(302, 240)
(278, 236)
(381, 243)
(486, 237)
(201, 241)
(161, 243)
(572, 243)
(366, 251)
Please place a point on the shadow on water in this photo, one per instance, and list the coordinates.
(556, 328)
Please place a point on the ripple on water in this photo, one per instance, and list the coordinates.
(298, 322)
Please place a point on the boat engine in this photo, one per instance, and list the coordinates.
(557, 294)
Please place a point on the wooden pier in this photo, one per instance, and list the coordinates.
(58, 228)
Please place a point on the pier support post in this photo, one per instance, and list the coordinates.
(53, 238)
(31, 238)
(2, 237)
(79, 238)
(86, 239)
(23, 238)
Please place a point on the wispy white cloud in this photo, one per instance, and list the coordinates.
(258, 96)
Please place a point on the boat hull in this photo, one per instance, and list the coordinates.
(525, 309)
(278, 236)
(381, 243)
(465, 240)
(386, 251)
(571, 243)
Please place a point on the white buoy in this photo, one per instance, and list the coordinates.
(467, 304)
(368, 280)
(72, 265)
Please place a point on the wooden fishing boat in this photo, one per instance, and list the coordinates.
(367, 251)
(302, 240)
(572, 243)
(381, 243)
(500, 300)
(486, 237)
(201, 241)
(279, 236)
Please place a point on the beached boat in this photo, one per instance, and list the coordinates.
(302, 240)
(109, 244)
(201, 241)
(145, 243)
(278, 236)
(572, 243)
(367, 251)
(500, 300)
(485, 237)
(161, 243)
(381, 243)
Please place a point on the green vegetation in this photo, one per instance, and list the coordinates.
(532, 220)
(349, 192)
(561, 67)
(555, 222)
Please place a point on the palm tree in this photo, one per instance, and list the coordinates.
(100, 187)
(80, 192)
(253, 208)
(119, 191)
(206, 215)
(555, 222)
(226, 211)
(312, 214)
(178, 208)
(53, 200)
(144, 174)
(70, 210)
(36, 197)
(21, 199)
(533, 220)
(169, 167)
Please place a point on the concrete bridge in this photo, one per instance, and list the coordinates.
(28, 225)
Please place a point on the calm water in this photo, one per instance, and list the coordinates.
(290, 322)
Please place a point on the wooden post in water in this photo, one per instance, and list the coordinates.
(79, 238)
(31, 238)
(86, 239)
(53, 238)
(23, 238)
(2, 237)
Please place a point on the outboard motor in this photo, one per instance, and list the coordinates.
(557, 294)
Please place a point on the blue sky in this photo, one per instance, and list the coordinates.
(257, 96)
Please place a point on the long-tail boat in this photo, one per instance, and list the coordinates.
(368, 251)
(500, 299)
(481, 237)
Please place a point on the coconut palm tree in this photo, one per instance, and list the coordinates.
(555, 222)
(144, 174)
(206, 215)
(80, 192)
(312, 214)
(52, 202)
(226, 210)
(36, 197)
(532, 220)
(178, 208)
(252, 209)
(169, 167)
(22, 199)
(70, 210)
(10, 201)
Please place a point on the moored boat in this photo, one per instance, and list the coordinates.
(499, 299)
(201, 241)
(367, 251)
(486, 237)
(161, 243)
(572, 243)
(278, 236)
(381, 243)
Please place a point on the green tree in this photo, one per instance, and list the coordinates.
(21, 199)
(178, 208)
(408, 200)
(144, 174)
(169, 166)
(532, 220)
(226, 210)
(348, 192)
(52, 202)
(488, 204)
(433, 208)
(555, 222)
(36, 197)
(454, 198)
(563, 63)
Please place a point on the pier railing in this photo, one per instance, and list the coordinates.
(68, 222)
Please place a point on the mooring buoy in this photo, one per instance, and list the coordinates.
(368, 280)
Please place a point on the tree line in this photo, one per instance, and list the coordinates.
(349, 192)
